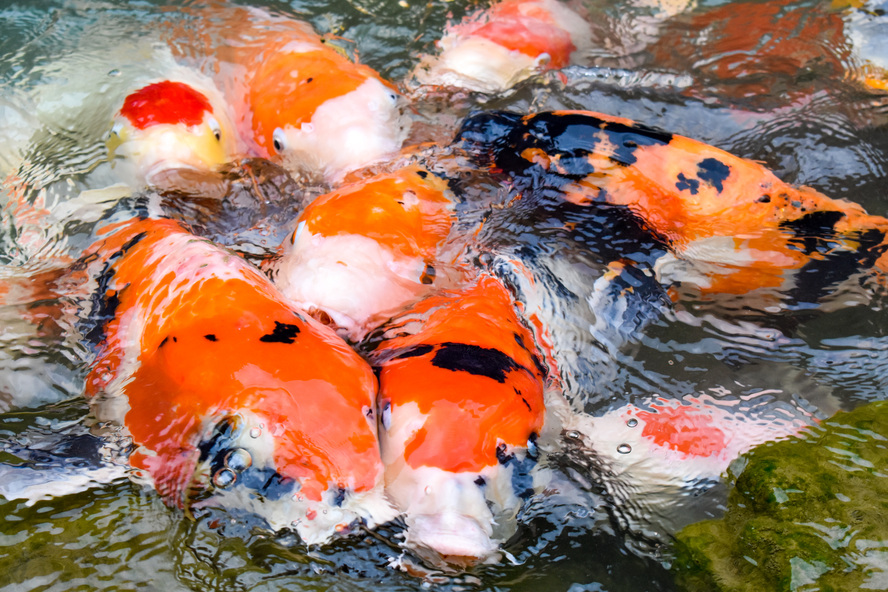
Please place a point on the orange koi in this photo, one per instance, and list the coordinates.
(301, 101)
(461, 407)
(495, 49)
(362, 252)
(232, 396)
(172, 125)
(729, 224)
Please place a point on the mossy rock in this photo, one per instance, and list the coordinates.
(808, 513)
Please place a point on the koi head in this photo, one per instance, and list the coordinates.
(171, 125)
(367, 248)
(234, 399)
(462, 406)
(320, 113)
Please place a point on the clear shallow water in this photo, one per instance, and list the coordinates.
(794, 103)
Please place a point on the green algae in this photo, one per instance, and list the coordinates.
(807, 513)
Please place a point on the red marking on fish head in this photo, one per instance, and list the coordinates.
(165, 102)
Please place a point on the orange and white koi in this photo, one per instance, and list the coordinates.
(172, 125)
(729, 224)
(299, 100)
(495, 49)
(461, 406)
(232, 396)
(362, 252)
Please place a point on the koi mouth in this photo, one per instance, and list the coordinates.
(451, 539)
(225, 462)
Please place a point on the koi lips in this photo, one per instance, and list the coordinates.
(460, 423)
(227, 391)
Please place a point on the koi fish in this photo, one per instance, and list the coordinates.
(753, 47)
(231, 395)
(299, 100)
(730, 226)
(172, 125)
(461, 408)
(493, 50)
(365, 250)
(658, 454)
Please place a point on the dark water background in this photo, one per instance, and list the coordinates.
(777, 82)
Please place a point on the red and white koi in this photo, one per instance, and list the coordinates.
(362, 252)
(232, 396)
(461, 407)
(493, 50)
(654, 455)
(172, 125)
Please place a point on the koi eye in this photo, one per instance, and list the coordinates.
(217, 129)
(279, 139)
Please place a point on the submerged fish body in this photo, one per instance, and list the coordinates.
(300, 100)
(368, 248)
(172, 125)
(493, 50)
(232, 396)
(729, 224)
(461, 407)
(656, 456)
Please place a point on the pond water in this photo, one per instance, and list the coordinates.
(780, 82)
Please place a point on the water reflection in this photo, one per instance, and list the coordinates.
(793, 84)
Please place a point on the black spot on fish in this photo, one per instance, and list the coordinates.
(691, 185)
(339, 498)
(422, 174)
(216, 446)
(428, 275)
(502, 456)
(818, 277)
(104, 301)
(480, 481)
(812, 228)
(419, 350)
(130, 244)
(519, 340)
(309, 79)
(268, 483)
(210, 337)
(163, 343)
(764, 199)
(714, 172)
(283, 333)
(522, 480)
(526, 404)
(480, 361)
